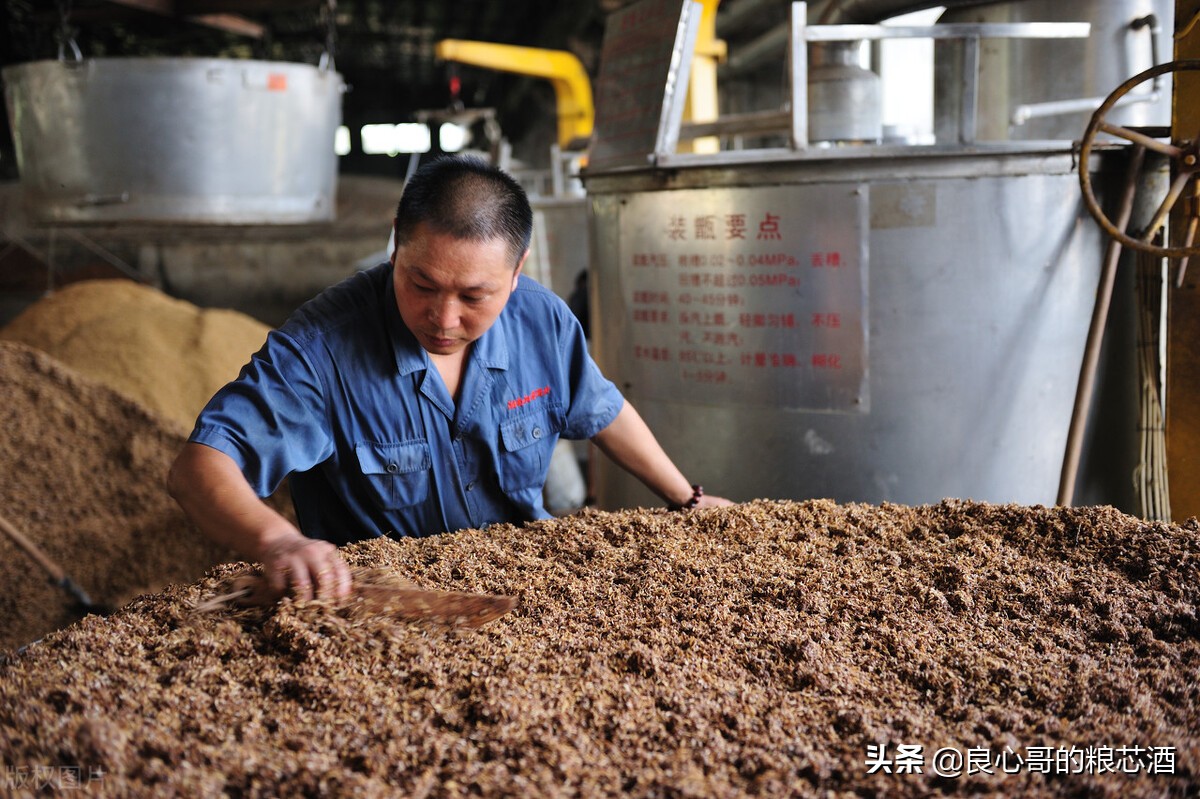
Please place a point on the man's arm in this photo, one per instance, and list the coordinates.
(212, 491)
(629, 443)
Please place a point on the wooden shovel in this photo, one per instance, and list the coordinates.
(58, 577)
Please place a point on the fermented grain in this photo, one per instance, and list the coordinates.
(758, 650)
(82, 473)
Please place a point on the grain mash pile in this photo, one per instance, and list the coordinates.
(82, 473)
(100, 382)
(168, 354)
(758, 650)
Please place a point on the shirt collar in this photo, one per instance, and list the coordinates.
(490, 349)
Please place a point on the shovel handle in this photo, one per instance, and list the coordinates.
(33, 550)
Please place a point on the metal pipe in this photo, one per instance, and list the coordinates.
(753, 122)
(566, 73)
(1091, 353)
(1150, 22)
(798, 75)
(759, 51)
(734, 18)
(1023, 113)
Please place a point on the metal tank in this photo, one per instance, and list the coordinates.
(196, 140)
(872, 323)
(1033, 89)
(559, 250)
(899, 326)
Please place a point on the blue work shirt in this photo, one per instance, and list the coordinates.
(343, 401)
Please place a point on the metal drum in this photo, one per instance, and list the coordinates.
(844, 103)
(886, 324)
(196, 140)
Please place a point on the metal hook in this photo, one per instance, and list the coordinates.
(65, 36)
(75, 51)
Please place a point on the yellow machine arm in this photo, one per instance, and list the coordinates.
(572, 89)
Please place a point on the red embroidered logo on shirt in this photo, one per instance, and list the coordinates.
(528, 398)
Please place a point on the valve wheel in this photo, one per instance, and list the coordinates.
(1185, 159)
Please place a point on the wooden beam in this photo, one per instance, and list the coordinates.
(195, 8)
(201, 7)
(1183, 320)
(230, 23)
(164, 8)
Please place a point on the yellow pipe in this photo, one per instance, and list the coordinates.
(1186, 111)
(572, 89)
(702, 83)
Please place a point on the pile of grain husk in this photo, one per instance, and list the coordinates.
(757, 650)
(168, 354)
(82, 474)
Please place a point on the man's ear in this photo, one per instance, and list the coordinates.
(517, 271)
(393, 245)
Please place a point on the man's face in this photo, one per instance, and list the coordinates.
(450, 291)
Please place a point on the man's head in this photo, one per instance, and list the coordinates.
(468, 199)
(462, 234)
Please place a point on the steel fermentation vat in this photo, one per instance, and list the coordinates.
(1034, 89)
(197, 140)
(870, 324)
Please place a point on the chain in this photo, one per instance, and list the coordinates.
(329, 16)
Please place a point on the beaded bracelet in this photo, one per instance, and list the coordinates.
(697, 492)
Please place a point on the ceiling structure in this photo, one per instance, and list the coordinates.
(384, 49)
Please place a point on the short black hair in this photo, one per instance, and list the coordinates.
(469, 199)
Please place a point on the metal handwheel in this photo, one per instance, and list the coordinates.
(1185, 158)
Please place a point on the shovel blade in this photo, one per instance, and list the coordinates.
(459, 608)
(375, 592)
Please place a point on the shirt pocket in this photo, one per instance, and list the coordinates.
(397, 474)
(526, 444)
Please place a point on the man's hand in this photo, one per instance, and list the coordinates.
(210, 488)
(305, 568)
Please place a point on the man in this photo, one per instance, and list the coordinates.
(419, 396)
